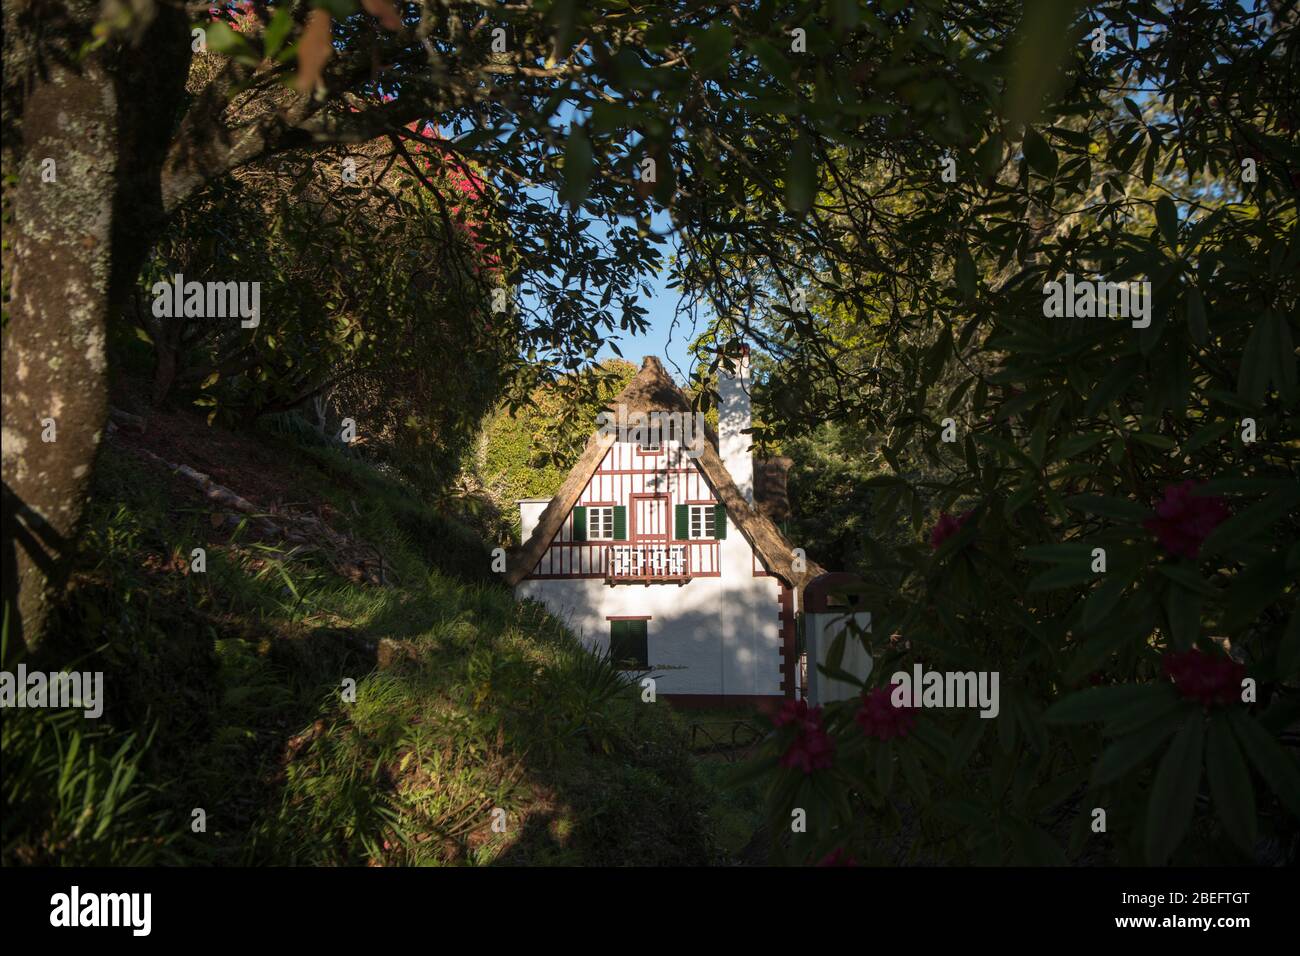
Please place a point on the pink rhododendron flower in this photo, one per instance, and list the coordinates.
(812, 748)
(1210, 679)
(837, 857)
(879, 718)
(1184, 520)
(947, 526)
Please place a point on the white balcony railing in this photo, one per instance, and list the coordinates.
(649, 562)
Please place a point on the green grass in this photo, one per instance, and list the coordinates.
(230, 692)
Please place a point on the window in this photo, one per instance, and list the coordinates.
(600, 524)
(650, 440)
(628, 642)
(702, 521)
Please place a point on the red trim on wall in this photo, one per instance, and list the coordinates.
(788, 641)
(634, 534)
(643, 471)
(818, 599)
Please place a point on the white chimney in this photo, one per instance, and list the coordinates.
(733, 421)
(530, 509)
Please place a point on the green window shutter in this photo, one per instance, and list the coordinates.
(629, 644)
(617, 641)
(719, 521)
(682, 519)
(579, 524)
(620, 522)
(638, 639)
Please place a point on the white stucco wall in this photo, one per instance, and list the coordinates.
(709, 636)
(733, 418)
(530, 509)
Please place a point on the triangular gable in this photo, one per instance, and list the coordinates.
(651, 389)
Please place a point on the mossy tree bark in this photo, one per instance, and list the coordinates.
(85, 138)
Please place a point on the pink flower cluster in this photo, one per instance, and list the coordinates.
(240, 15)
(1201, 677)
(1183, 520)
(837, 857)
(947, 526)
(812, 748)
(879, 718)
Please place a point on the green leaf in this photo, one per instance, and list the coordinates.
(1118, 509)
(1062, 576)
(1197, 326)
(577, 168)
(965, 274)
(1278, 768)
(1149, 162)
(1253, 590)
(1183, 609)
(712, 49)
(277, 31)
(1136, 714)
(835, 656)
(1256, 362)
(801, 177)
(1230, 786)
(1095, 704)
(1041, 43)
(972, 457)
(885, 766)
(225, 40)
(1075, 445)
(1173, 792)
(1203, 436)
(1254, 522)
(1167, 219)
(1187, 576)
(1065, 552)
(338, 9)
(1041, 156)
(1102, 600)
(1131, 749)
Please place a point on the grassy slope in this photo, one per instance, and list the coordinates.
(226, 692)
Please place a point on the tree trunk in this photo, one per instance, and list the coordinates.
(55, 385)
(85, 138)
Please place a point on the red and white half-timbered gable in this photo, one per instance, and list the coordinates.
(652, 551)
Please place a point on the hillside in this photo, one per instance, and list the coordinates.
(465, 700)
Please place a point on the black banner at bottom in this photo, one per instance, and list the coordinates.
(923, 906)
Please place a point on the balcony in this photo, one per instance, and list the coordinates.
(640, 562)
(646, 563)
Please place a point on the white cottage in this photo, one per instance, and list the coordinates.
(663, 559)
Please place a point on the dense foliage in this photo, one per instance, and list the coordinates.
(1016, 445)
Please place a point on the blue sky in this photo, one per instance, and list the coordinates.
(660, 339)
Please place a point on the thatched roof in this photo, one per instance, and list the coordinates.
(771, 487)
(650, 390)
